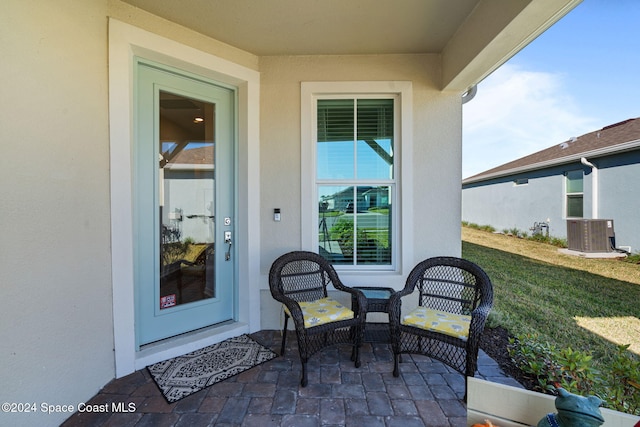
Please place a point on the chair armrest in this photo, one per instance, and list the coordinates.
(293, 307)
(359, 296)
(395, 307)
(396, 298)
(479, 317)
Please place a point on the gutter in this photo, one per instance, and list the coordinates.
(469, 94)
(594, 185)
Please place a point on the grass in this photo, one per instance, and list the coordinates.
(586, 304)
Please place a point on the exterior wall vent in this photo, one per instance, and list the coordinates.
(590, 235)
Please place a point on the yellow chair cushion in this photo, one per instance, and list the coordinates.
(325, 310)
(454, 325)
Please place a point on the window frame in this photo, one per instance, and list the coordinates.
(573, 195)
(402, 214)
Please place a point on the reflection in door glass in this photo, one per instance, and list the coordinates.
(186, 199)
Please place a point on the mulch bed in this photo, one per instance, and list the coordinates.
(495, 342)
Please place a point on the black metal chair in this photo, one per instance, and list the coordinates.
(454, 297)
(299, 280)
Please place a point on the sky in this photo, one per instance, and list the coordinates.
(580, 75)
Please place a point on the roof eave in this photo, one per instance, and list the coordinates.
(493, 34)
(618, 148)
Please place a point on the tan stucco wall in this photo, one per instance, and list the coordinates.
(56, 322)
(436, 158)
(146, 21)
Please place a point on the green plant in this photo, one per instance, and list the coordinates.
(495, 319)
(574, 371)
(487, 228)
(542, 238)
(535, 359)
(539, 238)
(622, 392)
(514, 232)
(633, 258)
(552, 367)
(544, 293)
(559, 242)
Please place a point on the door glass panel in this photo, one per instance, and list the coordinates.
(186, 200)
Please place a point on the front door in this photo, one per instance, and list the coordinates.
(183, 197)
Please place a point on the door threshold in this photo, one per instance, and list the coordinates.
(185, 343)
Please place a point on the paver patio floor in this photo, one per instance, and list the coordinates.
(427, 393)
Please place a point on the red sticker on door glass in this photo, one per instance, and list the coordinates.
(168, 301)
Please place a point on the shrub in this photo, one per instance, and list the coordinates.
(515, 232)
(633, 258)
(535, 360)
(622, 391)
(539, 238)
(550, 367)
(556, 241)
(495, 319)
(474, 226)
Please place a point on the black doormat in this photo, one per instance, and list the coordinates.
(184, 375)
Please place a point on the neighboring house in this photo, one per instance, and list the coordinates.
(92, 179)
(593, 176)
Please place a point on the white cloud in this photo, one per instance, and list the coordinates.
(517, 112)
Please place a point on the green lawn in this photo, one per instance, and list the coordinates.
(583, 304)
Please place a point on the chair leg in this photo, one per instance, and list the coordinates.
(396, 367)
(304, 380)
(354, 348)
(357, 355)
(284, 334)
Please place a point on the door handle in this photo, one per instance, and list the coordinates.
(227, 240)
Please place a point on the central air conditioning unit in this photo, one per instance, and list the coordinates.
(590, 235)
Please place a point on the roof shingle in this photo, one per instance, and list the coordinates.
(606, 140)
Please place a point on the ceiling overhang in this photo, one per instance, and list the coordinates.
(473, 37)
(479, 48)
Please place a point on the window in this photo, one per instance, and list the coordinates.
(354, 142)
(574, 192)
(355, 180)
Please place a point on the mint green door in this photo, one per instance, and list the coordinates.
(183, 203)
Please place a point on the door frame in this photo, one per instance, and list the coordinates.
(126, 42)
